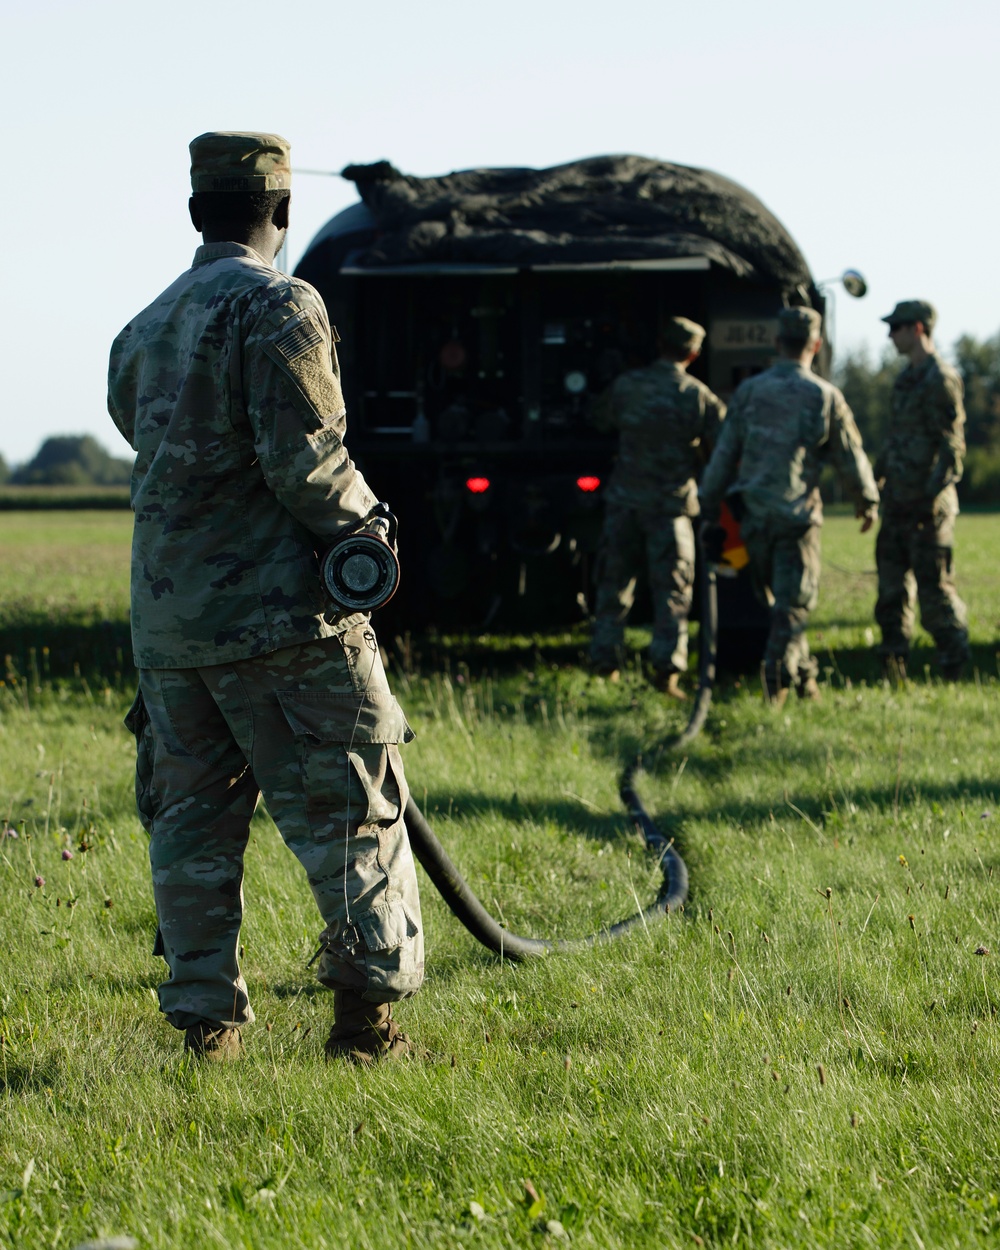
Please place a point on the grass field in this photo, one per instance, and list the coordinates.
(64, 606)
(807, 1056)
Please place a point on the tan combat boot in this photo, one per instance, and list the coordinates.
(667, 683)
(809, 689)
(605, 665)
(365, 1033)
(774, 693)
(213, 1042)
(672, 687)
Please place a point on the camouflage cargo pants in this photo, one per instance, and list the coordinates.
(631, 539)
(315, 728)
(785, 568)
(914, 554)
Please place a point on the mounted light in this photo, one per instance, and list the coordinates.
(477, 485)
(588, 484)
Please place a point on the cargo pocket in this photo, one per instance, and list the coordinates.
(387, 927)
(346, 749)
(137, 723)
(379, 953)
(394, 956)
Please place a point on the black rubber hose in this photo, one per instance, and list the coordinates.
(455, 891)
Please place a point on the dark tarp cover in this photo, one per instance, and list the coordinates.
(605, 208)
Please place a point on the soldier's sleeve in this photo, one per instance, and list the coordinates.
(723, 463)
(712, 417)
(120, 409)
(949, 419)
(847, 454)
(291, 381)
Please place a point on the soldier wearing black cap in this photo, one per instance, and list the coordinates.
(667, 423)
(919, 468)
(228, 388)
(782, 427)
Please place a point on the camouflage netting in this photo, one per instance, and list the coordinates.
(601, 209)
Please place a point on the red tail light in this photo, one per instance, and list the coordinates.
(588, 484)
(477, 485)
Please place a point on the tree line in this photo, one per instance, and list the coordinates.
(68, 460)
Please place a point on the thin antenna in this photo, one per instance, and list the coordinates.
(281, 261)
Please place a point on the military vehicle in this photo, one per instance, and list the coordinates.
(481, 311)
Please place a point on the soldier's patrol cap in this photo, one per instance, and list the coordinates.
(240, 160)
(908, 311)
(682, 334)
(798, 325)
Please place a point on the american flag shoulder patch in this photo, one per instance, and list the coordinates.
(301, 339)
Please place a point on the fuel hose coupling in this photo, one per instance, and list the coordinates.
(360, 572)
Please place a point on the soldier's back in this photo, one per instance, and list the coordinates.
(220, 568)
(660, 412)
(784, 421)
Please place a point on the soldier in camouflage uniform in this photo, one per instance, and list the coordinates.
(227, 386)
(920, 465)
(782, 427)
(668, 422)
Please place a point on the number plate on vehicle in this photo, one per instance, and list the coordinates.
(737, 336)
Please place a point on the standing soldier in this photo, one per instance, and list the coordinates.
(668, 422)
(227, 387)
(919, 467)
(783, 426)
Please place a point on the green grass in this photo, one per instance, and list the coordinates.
(64, 564)
(64, 607)
(807, 1056)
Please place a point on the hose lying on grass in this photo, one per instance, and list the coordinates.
(485, 929)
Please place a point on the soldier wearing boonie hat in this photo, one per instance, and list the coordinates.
(228, 388)
(919, 467)
(782, 427)
(668, 422)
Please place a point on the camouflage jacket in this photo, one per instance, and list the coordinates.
(227, 387)
(783, 426)
(921, 461)
(668, 423)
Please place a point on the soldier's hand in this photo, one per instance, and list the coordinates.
(379, 526)
(382, 524)
(866, 514)
(382, 528)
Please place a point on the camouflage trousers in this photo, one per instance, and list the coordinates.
(631, 539)
(914, 554)
(785, 568)
(315, 728)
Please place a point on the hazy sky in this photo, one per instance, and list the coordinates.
(869, 127)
